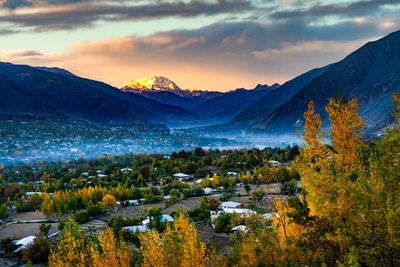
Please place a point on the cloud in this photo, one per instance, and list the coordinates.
(358, 8)
(221, 56)
(13, 4)
(74, 14)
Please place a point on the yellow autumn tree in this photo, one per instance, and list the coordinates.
(108, 202)
(179, 245)
(77, 250)
(314, 165)
(288, 232)
(71, 248)
(111, 252)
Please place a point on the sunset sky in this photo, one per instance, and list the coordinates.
(208, 45)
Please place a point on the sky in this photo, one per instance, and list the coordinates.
(215, 45)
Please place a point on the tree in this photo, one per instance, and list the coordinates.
(108, 202)
(71, 248)
(179, 246)
(38, 252)
(247, 188)
(44, 229)
(3, 212)
(111, 252)
(76, 249)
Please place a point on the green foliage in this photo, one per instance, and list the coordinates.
(38, 252)
(44, 229)
(4, 212)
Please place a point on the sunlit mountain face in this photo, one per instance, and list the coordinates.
(160, 84)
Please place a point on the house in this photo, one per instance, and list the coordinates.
(231, 205)
(241, 212)
(28, 194)
(181, 176)
(136, 228)
(233, 174)
(126, 170)
(208, 191)
(164, 218)
(267, 216)
(24, 242)
(274, 163)
(242, 228)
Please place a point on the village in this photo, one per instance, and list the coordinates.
(219, 203)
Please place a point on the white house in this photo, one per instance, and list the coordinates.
(242, 228)
(241, 212)
(233, 174)
(275, 163)
(24, 242)
(136, 228)
(208, 191)
(181, 176)
(231, 205)
(164, 218)
(28, 194)
(126, 170)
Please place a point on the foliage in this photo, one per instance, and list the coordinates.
(44, 229)
(3, 211)
(179, 246)
(76, 249)
(38, 252)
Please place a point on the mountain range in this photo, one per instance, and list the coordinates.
(369, 73)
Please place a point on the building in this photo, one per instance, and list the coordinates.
(136, 228)
(24, 242)
(274, 163)
(231, 205)
(181, 176)
(164, 218)
(233, 174)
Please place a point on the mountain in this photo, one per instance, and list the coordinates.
(371, 74)
(165, 91)
(49, 91)
(224, 108)
(266, 104)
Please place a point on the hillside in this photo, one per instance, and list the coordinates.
(29, 90)
(224, 108)
(273, 99)
(370, 74)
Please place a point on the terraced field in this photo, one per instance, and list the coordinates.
(100, 225)
(186, 204)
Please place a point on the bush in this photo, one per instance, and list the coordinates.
(44, 229)
(198, 191)
(3, 211)
(171, 201)
(38, 252)
(8, 246)
(93, 210)
(223, 223)
(81, 216)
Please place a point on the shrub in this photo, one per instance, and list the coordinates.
(38, 252)
(81, 216)
(44, 229)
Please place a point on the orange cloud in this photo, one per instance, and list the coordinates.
(214, 58)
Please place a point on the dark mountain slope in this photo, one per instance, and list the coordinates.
(371, 74)
(224, 108)
(268, 103)
(54, 92)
